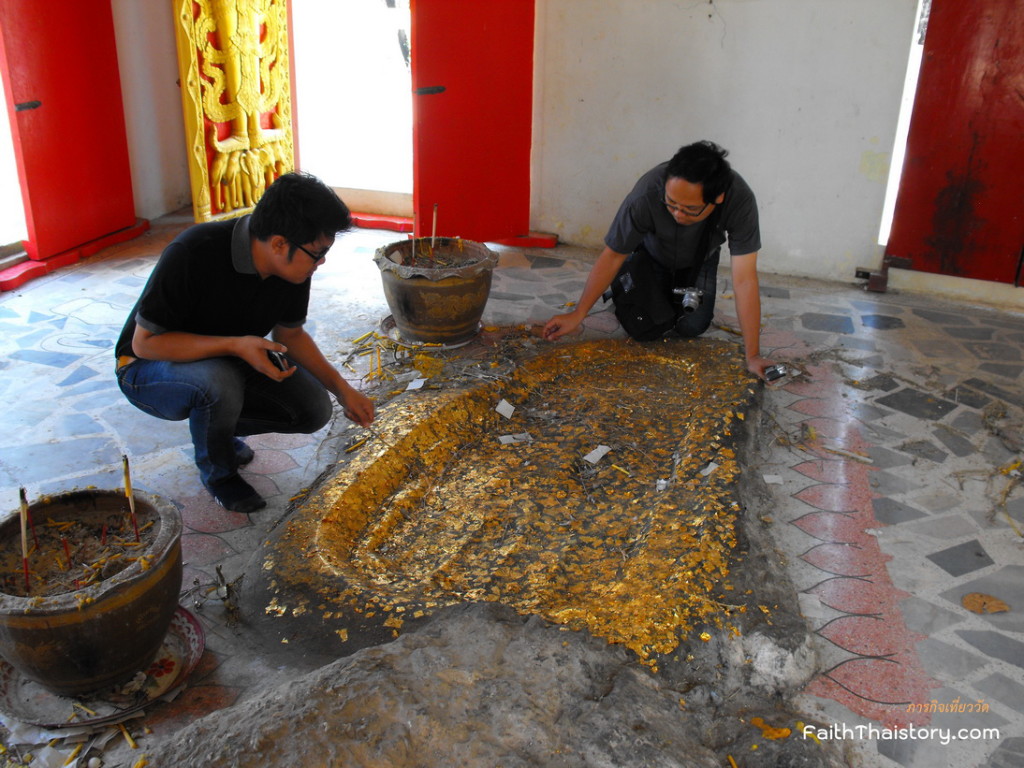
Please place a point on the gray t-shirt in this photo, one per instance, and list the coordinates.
(643, 219)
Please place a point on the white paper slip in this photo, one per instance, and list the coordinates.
(711, 467)
(416, 383)
(521, 437)
(773, 479)
(506, 409)
(597, 454)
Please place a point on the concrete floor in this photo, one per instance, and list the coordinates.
(892, 459)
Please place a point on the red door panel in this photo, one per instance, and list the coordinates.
(472, 78)
(67, 120)
(960, 208)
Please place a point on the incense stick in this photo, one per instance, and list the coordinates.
(24, 537)
(433, 231)
(130, 495)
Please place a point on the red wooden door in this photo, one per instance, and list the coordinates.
(960, 207)
(67, 121)
(472, 79)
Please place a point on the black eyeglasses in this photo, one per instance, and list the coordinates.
(687, 210)
(314, 256)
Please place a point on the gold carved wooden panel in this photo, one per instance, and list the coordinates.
(236, 95)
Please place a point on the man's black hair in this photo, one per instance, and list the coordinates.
(300, 208)
(702, 162)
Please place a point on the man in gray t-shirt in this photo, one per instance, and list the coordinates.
(662, 249)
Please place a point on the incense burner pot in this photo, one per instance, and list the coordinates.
(101, 634)
(436, 288)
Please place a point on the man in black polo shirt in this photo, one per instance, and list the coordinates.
(661, 253)
(195, 346)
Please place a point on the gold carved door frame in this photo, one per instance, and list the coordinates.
(236, 96)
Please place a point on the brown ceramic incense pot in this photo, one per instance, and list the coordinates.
(101, 635)
(436, 288)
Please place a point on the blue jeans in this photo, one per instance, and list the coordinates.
(224, 397)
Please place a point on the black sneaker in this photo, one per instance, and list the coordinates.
(236, 495)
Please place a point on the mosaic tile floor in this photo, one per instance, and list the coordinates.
(893, 462)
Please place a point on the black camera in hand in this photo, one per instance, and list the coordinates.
(277, 359)
(689, 298)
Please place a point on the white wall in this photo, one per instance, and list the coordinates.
(804, 93)
(148, 63)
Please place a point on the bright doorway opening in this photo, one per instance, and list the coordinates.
(353, 98)
(12, 209)
(899, 149)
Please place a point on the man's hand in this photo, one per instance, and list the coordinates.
(254, 350)
(560, 325)
(757, 364)
(358, 407)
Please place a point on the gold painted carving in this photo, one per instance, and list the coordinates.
(236, 95)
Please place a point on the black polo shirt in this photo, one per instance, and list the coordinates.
(642, 218)
(205, 283)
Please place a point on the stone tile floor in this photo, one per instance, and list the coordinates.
(892, 458)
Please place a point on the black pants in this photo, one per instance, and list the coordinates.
(645, 303)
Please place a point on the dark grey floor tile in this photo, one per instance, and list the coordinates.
(949, 528)
(774, 293)
(891, 484)
(882, 322)
(947, 318)
(939, 348)
(78, 424)
(1004, 584)
(886, 459)
(868, 412)
(1009, 753)
(1004, 690)
(957, 443)
(42, 357)
(544, 262)
(969, 423)
(963, 559)
(949, 663)
(954, 721)
(971, 333)
(882, 381)
(518, 297)
(923, 449)
(999, 451)
(995, 644)
(1002, 322)
(815, 321)
(892, 512)
(962, 395)
(927, 618)
(993, 351)
(80, 374)
(1016, 398)
(1003, 369)
(938, 500)
(916, 403)
(899, 751)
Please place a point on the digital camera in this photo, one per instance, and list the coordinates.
(689, 298)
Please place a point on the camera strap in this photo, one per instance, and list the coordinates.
(703, 247)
